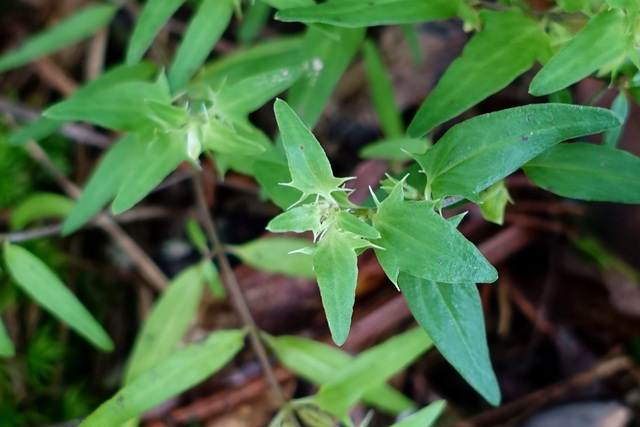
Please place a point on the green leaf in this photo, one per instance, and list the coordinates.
(587, 172)
(261, 58)
(370, 369)
(299, 219)
(255, 19)
(271, 171)
(493, 202)
(463, 162)
(183, 369)
(351, 223)
(326, 60)
(40, 205)
(253, 92)
(310, 169)
(221, 137)
(422, 243)
(451, 314)
(394, 149)
(272, 254)
(35, 278)
(45, 126)
(153, 16)
(196, 235)
(318, 362)
(167, 323)
(382, 92)
(78, 27)
(620, 106)
(508, 45)
(161, 157)
(335, 264)
(600, 42)
(106, 179)
(121, 107)
(201, 35)
(288, 4)
(359, 13)
(425, 417)
(7, 348)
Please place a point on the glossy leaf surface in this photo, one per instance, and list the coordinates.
(600, 42)
(452, 315)
(420, 242)
(479, 152)
(508, 45)
(620, 106)
(39, 282)
(587, 172)
(183, 369)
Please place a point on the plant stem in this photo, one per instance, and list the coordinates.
(232, 285)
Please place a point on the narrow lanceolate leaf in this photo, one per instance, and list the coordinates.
(620, 106)
(325, 62)
(599, 43)
(202, 33)
(260, 58)
(253, 92)
(382, 92)
(183, 369)
(40, 205)
(106, 180)
(119, 74)
(299, 219)
(272, 254)
(319, 363)
(122, 107)
(425, 417)
(360, 13)
(371, 368)
(154, 15)
(7, 348)
(161, 156)
(463, 162)
(422, 243)
(78, 27)
(310, 169)
(451, 314)
(167, 323)
(39, 282)
(508, 46)
(587, 172)
(335, 264)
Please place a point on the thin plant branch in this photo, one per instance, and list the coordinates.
(22, 236)
(231, 283)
